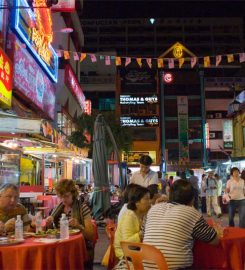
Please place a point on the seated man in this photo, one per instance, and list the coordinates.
(10, 208)
(172, 227)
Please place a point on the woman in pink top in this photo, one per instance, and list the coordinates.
(235, 187)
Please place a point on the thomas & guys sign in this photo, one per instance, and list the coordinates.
(34, 29)
(32, 82)
(6, 75)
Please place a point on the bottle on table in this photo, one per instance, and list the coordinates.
(19, 228)
(38, 221)
(64, 227)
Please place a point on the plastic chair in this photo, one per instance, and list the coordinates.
(139, 252)
(43, 208)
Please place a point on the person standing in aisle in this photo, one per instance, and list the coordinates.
(235, 188)
(219, 189)
(211, 195)
(194, 182)
(203, 194)
(145, 176)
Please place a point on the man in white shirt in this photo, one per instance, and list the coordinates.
(145, 176)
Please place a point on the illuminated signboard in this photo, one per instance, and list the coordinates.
(6, 75)
(32, 82)
(88, 107)
(143, 121)
(168, 77)
(228, 134)
(34, 28)
(137, 100)
(178, 51)
(73, 85)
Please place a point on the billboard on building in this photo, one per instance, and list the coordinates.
(228, 134)
(6, 76)
(34, 28)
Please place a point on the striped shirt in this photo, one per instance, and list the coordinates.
(172, 229)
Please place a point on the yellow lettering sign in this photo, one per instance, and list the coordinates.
(178, 51)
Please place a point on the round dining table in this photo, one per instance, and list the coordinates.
(229, 254)
(67, 254)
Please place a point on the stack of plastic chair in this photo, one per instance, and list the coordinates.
(139, 252)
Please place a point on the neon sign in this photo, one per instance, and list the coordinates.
(35, 30)
(168, 77)
(178, 51)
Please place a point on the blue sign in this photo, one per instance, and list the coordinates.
(27, 28)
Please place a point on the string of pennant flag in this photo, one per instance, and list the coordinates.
(206, 61)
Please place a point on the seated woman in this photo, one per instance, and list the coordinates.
(128, 228)
(10, 208)
(77, 213)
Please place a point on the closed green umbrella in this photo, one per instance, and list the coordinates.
(101, 196)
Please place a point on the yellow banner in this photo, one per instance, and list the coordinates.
(5, 95)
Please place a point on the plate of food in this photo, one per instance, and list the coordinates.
(4, 241)
(40, 234)
(73, 231)
(52, 232)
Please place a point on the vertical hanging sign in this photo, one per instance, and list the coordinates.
(182, 102)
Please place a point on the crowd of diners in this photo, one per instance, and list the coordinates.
(78, 213)
(171, 221)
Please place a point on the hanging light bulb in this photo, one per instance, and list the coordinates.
(152, 20)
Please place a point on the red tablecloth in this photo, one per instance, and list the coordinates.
(229, 254)
(66, 254)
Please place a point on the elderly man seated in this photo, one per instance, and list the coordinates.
(10, 208)
(172, 227)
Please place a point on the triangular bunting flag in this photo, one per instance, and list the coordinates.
(128, 61)
(218, 60)
(83, 56)
(206, 61)
(93, 58)
(181, 62)
(139, 61)
(107, 60)
(59, 53)
(66, 55)
(75, 56)
(148, 61)
(242, 57)
(171, 63)
(160, 63)
(193, 61)
(230, 58)
(118, 61)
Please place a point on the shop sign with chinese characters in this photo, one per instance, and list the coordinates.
(6, 75)
(138, 100)
(31, 81)
(73, 85)
(143, 121)
(34, 28)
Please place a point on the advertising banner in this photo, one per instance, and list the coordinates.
(19, 125)
(6, 76)
(73, 85)
(228, 134)
(182, 102)
(138, 99)
(32, 82)
(141, 121)
(34, 28)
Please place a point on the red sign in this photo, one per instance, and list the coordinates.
(88, 107)
(73, 85)
(30, 80)
(6, 76)
(168, 77)
(64, 6)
